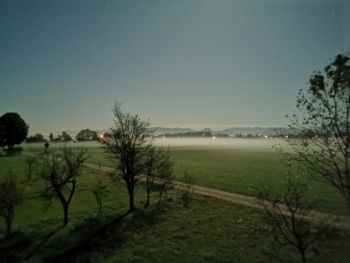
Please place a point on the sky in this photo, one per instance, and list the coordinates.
(188, 63)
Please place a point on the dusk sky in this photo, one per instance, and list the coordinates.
(190, 63)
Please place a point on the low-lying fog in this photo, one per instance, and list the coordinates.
(234, 143)
(220, 142)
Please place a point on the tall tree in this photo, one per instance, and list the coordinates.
(323, 119)
(13, 130)
(60, 173)
(128, 144)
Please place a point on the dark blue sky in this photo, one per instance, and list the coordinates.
(197, 64)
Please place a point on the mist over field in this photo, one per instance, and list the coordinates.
(217, 143)
(234, 143)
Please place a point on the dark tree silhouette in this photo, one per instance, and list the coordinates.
(13, 130)
(36, 138)
(10, 197)
(288, 216)
(46, 145)
(128, 145)
(60, 172)
(66, 137)
(86, 135)
(323, 119)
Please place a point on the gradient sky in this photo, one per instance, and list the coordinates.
(186, 63)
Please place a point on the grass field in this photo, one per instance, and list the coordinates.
(236, 168)
(207, 231)
(234, 165)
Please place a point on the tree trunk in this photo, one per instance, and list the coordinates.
(131, 198)
(348, 202)
(148, 197)
(302, 255)
(160, 196)
(8, 227)
(65, 211)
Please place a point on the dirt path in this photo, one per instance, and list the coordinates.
(340, 222)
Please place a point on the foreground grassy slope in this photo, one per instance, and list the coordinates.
(207, 231)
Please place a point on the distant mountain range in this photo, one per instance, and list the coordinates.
(230, 131)
(164, 130)
(259, 130)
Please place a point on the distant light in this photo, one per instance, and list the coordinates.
(213, 137)
(101, 136)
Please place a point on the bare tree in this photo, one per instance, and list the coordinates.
(323, 119)
(288, 216)
(128, 144)
(10, 197)
(159, 176)
(60, 172)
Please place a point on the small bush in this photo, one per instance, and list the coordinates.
(187, 190)
(99, 192)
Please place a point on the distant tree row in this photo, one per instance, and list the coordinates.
(83, 136)
(63, 137)
(205, 134)
(36, 138)
(14, 130)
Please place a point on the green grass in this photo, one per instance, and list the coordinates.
(233, 168)
(207, 231)
(236, 170)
